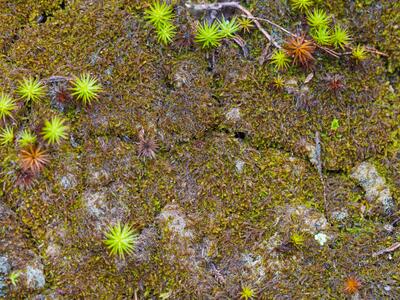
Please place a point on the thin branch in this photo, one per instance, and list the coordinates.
(369, 49)
(327, 50)
(247, 14)
(387, 250)
(373, 50)
(272, 23)
(219, 6)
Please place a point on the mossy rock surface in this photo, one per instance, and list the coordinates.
(232, 180)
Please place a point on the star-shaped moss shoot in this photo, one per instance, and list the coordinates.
(7, 105)
(247, 293)
(86, 88)
(302, 5)
(166, 33)
(159, 14)
(54, 130)
(359, 53)
(120, 240)
(322, 35)
(30, 89)
(228, 28)
(318, 18)
(280, 60)
(6, 136)
(208, 36)
(26, 138)
(340, 37)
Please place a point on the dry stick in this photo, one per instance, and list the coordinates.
(387, 250)
(368, 49)
(327, 50)
(219, 6)
(373, 50)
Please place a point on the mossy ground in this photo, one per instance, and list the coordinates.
(174, 95)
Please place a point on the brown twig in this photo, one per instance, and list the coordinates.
(327, 50)
(247, 14)
(219, 6)
(373, 50)
(368, 49)
(386, 250)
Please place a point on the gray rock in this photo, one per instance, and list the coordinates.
(233, 114)
(340, 215)
(68, 181)
(376, 190)
(35, 278)
(4, 270)
(4, 265)
(106, 206)
(173, 218)
(254, 264)
(312, 153)
(239, 165)
(95, 203)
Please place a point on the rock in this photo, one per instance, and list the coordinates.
(146, 243)
(312, 220)
(312, 153)
(291, 86)
(340, 215)
(53, 250)
(388, 227)
(20, 252)
(4, 265)
(321, 238)
(254, 264)
(106, 206)
(233, 114)
(4, 270)
(239, 165)
(175, 221)
(68, 181)
(374, 185)
(34, 277)
(95, 203)
(98, 177)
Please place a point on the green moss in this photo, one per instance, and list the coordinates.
(174, 94)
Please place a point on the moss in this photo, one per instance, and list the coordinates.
(178, 98)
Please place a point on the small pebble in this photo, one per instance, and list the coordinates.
(321, 238)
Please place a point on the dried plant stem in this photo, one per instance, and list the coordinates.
(327, 50)
(387, 250)
(219, 6)
(368, 49)
(247, 14)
